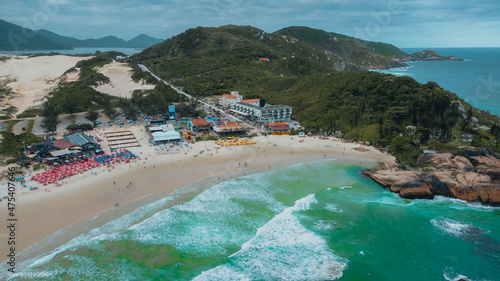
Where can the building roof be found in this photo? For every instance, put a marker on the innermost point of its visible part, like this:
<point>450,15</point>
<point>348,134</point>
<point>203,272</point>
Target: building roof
<point>80,139</point>
<point>41,148</point>
<point>276,124</point>
<point>280,128</point>
<point>226,96</point>
<point>61,152</point>
<point>61,144</point>
<point>199,122</point>
<point>264,59</point>
<point>251,101</point>
<point>166,136</point>
<point>266,107</point>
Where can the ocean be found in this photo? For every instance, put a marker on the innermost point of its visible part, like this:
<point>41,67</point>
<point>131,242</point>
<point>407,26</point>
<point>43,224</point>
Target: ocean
<point>322,220</point>
<point>77,51</point>
<point>476,79</point>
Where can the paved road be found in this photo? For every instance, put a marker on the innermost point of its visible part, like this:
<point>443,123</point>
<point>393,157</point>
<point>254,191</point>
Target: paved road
<point>18,127</point>
<point>37,128</point>
<point>204,104</point>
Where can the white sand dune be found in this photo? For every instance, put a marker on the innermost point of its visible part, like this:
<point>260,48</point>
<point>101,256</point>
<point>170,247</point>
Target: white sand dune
<point>34,77</point>
<point>121,84</point>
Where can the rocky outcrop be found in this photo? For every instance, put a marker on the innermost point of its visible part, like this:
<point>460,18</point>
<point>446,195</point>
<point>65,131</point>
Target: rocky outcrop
<point>451,176</point>
<point>431,55</point>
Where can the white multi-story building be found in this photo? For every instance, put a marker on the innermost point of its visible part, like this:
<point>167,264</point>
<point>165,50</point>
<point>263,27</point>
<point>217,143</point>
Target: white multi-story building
<point>228,101</point>
<point>266,113</point>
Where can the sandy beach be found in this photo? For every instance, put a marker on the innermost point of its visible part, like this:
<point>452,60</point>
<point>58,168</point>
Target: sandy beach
<point>42,213</point>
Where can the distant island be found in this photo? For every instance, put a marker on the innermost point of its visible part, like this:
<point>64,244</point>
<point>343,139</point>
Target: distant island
<point>432,55</point>
<point>13,38</point>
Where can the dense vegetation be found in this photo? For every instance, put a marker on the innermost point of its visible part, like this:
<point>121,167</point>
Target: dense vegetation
<point>154,101</point>
<point>388,111</point>
<point>12,145</point>
<point>208,61</point>
<point>80,95</point>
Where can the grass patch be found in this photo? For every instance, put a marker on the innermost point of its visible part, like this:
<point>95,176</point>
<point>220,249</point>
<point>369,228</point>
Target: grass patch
<point>10,125</point>
<point>31,124</point>
<point>8,112</point>
<point>30,112</point>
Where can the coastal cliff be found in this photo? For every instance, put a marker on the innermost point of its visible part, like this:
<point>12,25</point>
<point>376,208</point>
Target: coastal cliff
<point>445,175</point>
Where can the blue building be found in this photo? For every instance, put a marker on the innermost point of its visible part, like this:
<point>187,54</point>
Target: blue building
<point>171,112</point>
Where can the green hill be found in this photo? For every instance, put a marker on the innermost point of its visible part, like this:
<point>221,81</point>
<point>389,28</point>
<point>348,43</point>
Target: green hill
<point>207,61</point>
<point>307,70</point>
<point>288,49</point>
<point>14,37</point>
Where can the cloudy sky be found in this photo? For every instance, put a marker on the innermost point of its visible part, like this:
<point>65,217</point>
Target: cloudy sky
<point>404,23</point>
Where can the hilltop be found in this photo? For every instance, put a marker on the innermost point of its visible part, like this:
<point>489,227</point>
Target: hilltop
<point>140,41</point>
<point>14,37</point>
<point>431,55</point>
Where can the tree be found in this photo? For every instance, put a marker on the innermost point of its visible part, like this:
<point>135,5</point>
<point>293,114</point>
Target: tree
<point>49,122</point>
<point>399,144</point>
<point>92,115</point>
<point>69,105</point>
<point>468,120</point>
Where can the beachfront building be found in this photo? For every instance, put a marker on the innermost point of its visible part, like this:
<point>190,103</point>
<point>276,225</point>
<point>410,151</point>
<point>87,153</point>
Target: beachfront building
<point>198,125</point>
<point>86,143</point>
<point>41,149</point>
<point>264,113</point>
<point>278,128</point>
<point>228,101</point>
<point>61,144</point>
<point>227,127</point>
<point>163,134</point>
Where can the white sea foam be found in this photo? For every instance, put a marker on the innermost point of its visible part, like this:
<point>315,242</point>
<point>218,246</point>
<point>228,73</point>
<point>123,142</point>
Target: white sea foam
<point>324,225</point>
<point>110,231</point>
<point>304,203</point>
<point>345,187</point>
<point>332,208</point>
<point>452,227</point>
<point>283,249</point>
<point>210,222</point>
<point>459,204</point>
<point>389,198</point>
<point>450,275</point>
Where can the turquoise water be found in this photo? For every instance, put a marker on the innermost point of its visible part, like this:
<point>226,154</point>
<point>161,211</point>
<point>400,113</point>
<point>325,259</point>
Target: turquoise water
<point>476,79</point>
<point>334,223</point>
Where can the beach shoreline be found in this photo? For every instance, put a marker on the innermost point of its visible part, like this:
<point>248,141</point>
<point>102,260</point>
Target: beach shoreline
<point>41,214</point>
